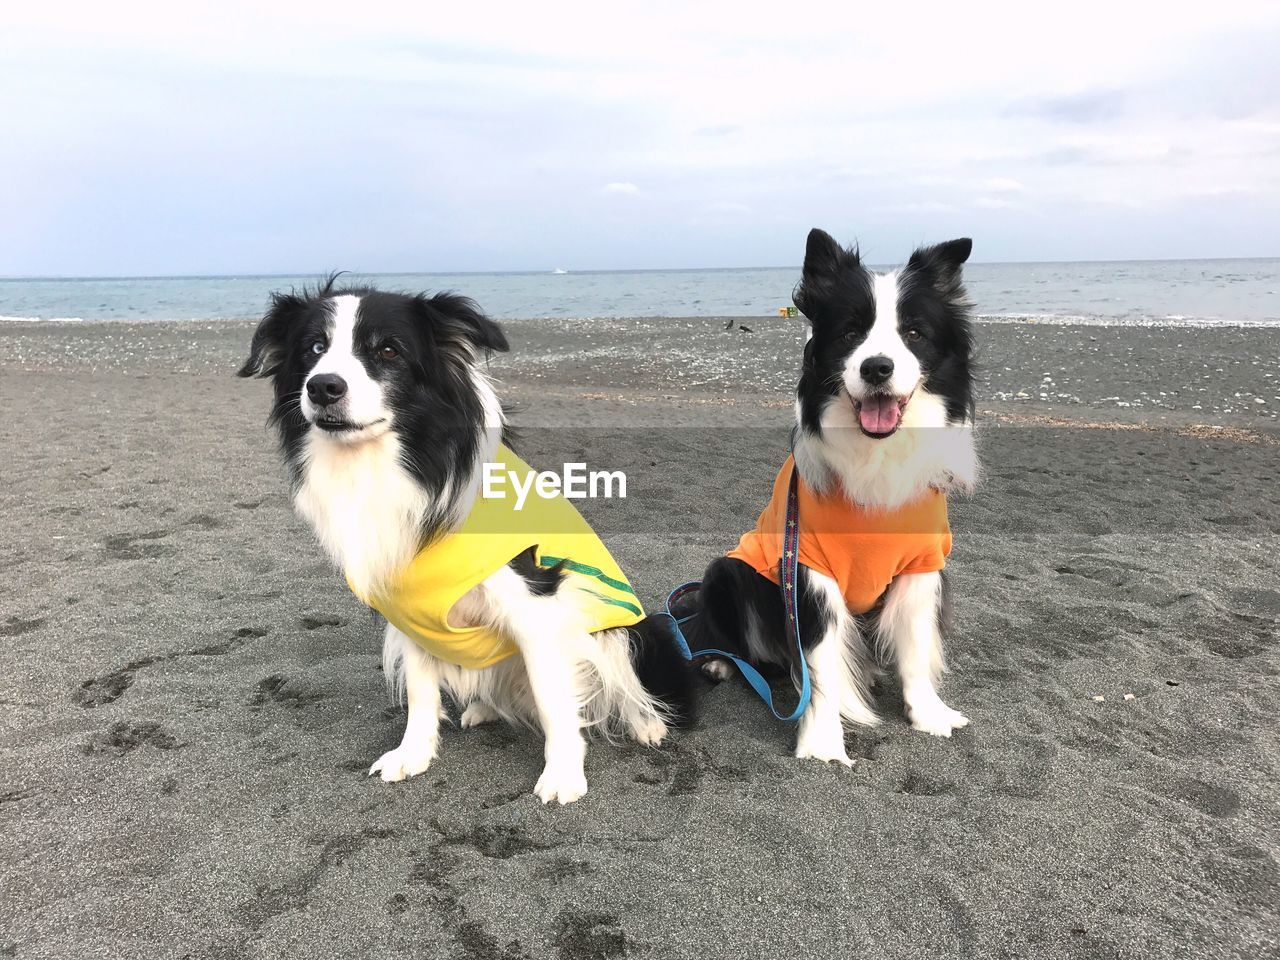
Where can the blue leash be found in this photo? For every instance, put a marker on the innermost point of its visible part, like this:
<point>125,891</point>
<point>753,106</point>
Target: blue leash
<point>788,577</point>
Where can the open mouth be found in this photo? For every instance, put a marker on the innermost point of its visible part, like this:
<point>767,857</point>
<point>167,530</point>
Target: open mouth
<point>334,425</point>
<point>880,414</point>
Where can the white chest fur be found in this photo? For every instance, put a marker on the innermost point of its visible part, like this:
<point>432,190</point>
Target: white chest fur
<point>364,506</point>
<point>925,452</point>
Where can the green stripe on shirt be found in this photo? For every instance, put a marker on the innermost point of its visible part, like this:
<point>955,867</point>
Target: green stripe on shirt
<point>583,569</point>
<point>617,603</point>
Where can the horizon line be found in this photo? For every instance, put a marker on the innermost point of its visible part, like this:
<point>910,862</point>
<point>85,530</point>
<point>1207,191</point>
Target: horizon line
<point>567,272</point>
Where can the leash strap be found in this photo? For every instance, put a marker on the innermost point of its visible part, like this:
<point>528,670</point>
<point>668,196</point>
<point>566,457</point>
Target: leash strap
<point>788,583</point>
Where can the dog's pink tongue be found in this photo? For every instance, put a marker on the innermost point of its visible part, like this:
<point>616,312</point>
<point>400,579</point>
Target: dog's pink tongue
<point>879,414</point>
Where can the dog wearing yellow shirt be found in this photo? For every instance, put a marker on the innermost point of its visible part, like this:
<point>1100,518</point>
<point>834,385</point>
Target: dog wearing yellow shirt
<point>514,610</point>
<point>884,411</point>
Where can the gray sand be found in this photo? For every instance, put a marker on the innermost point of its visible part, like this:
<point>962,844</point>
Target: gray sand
<point>190,696</point>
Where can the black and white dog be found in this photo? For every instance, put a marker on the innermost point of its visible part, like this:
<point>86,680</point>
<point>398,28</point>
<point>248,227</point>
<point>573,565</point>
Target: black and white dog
<point>884,413</point>
<point>386,416</point>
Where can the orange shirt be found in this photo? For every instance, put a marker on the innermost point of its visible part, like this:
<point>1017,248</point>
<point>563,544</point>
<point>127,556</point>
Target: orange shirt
<point>861,548</point>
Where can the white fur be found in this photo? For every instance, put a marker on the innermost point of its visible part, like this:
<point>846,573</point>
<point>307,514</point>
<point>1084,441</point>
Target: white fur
<point>363,403</point>
<point>835,677</point>
<point>368,514</point>
<point>908,627</point>
<point>907,631</point>
<point>366,510</point>
<point>927,450</point>
<point>717,669</point>
<point>422,732</point>
<point>884,339</point>
<point>478,714</point>
<point>564,681</point>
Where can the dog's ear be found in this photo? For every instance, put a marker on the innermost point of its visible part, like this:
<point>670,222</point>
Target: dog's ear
<point>824,259</point>
<point>941,263</point>
<point>266,353</point>
<point>459,320</point>
<point>821,253</point>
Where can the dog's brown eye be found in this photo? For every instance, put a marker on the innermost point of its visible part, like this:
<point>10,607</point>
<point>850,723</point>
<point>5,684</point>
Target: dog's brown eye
<point>388,352</point>
<point>913,335</point>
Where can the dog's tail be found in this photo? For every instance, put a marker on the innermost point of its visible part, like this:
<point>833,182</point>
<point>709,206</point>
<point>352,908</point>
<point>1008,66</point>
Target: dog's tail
<point>666,675</point>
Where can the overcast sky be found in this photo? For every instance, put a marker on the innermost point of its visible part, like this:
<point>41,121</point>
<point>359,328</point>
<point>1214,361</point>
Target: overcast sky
<point>147,139</point>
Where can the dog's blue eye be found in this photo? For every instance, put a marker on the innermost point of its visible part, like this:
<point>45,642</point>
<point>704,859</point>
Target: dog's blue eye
<point>317,347</point>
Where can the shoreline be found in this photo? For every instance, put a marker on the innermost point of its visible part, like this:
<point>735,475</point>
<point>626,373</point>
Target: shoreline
<point>1025,319</point>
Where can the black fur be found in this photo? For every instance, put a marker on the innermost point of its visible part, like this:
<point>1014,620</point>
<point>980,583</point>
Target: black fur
<point>662,668</point>
<point>655,655</point>
<point>428,387</point>
<point>946,609</point>
<point>436,413</point>
<point>932,298</point>
<point>541,581</point>
<point>835,294</point>
<point>734,595</point>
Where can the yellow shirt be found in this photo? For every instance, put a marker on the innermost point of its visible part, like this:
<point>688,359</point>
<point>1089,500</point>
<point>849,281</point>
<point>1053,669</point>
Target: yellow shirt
<point>491,536</point>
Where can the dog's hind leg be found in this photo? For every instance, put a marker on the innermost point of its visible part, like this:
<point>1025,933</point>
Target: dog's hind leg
<point>909,626</point>
<point>716,669</point>
<point>731,606</point>
<point>478,713</point>
<point>420,675</point>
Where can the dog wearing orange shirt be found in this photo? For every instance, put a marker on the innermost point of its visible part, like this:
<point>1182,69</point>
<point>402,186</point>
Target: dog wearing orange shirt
<point>884,415</point>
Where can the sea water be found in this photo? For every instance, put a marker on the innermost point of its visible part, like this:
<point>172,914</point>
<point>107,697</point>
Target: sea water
<point>1193,292</point>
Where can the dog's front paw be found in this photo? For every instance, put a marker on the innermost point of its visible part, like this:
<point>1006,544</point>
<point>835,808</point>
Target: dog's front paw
<point>478,713</point>
<point>937,719</point>
<point>402,762</point>
<point>562,784</point>
<point>825,747</point>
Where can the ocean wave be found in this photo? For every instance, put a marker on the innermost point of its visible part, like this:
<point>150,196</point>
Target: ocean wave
<point>42,319</point>
<point>1085,320</point>
<point>124,320</point>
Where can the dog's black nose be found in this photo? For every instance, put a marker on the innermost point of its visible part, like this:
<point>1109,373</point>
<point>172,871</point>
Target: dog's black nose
<point>326,388</point>
<point>877,370</point>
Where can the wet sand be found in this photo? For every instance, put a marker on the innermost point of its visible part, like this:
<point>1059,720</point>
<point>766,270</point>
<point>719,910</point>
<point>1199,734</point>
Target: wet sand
<point>190,697</point>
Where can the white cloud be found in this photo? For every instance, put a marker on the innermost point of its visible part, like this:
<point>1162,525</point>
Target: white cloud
<point>918,207</point>
<point>197,140</point>
<point>1002,185</point>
